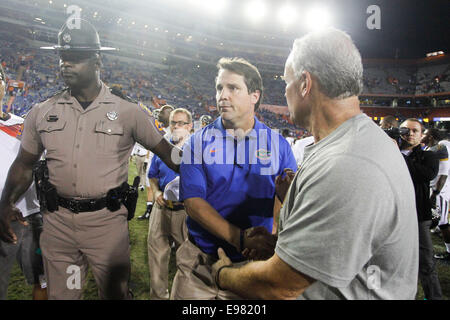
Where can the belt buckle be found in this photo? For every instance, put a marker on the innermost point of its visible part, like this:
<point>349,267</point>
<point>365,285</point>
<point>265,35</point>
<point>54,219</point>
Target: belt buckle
<point>169,204</point>
<point>74,206</point>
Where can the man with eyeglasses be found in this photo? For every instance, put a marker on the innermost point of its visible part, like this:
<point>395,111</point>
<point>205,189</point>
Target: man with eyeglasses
<point>168,219</point>
<point>162,123</point>
<point>88,132</point>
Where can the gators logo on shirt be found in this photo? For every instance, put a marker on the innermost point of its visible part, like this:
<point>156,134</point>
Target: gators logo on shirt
<point>263,154</point>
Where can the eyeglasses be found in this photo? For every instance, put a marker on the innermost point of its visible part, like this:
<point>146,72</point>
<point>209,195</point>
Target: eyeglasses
<point>180,123</point>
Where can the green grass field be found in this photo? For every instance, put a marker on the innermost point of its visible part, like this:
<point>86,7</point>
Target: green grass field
<point>140,283</point>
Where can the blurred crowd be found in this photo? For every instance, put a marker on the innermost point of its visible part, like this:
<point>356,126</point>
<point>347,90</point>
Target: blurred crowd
<point>185,83</point>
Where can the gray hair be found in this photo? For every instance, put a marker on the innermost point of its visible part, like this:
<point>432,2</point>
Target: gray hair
<point>331,56</point>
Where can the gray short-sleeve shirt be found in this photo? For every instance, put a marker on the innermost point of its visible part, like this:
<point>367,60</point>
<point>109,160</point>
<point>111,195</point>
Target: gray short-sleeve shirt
<point>349,218</point>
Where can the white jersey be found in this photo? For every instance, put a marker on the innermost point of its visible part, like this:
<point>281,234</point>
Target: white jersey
<point>290,140</point>
<point>9,147</point>
<point>444,169</point>
<point>298,148</point>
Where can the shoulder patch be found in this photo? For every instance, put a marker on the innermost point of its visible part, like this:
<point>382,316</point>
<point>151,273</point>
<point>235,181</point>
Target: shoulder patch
<point>159,126</point>
<point>145,108</point>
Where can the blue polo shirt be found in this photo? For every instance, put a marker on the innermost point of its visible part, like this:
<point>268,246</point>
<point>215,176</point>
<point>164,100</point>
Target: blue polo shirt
<point>160,171</point>
<point>237,178</point>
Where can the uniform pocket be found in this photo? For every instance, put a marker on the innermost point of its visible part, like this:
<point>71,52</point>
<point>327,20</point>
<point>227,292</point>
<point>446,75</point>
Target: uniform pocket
<point>108,136</point>
<point>52,134</point>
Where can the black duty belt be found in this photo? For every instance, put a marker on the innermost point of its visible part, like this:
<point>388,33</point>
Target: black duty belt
<point>174,205</point>
<point>84,205</point>
<point>176,208</point>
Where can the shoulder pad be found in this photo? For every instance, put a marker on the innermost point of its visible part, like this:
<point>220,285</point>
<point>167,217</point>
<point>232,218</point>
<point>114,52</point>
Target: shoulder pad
<point>117,92</point>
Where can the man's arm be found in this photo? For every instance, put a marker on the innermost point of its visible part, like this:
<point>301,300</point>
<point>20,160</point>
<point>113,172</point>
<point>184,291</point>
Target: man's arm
<point>202,212</point>
<point>272,279</point>
<point>277,205</point>
<point>169,154</point>
<point>441,182</point>
<point>146,134</point>
<point>20,177</point>
<point>439,185</point>
<point>157,194</point>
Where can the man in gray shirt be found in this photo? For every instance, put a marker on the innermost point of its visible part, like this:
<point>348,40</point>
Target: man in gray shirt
<point>348,228</point>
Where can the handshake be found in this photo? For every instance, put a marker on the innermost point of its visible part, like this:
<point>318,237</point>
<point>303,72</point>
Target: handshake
<point>257,243</point>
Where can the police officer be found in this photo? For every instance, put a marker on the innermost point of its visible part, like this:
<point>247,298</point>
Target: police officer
<point>88,133</point>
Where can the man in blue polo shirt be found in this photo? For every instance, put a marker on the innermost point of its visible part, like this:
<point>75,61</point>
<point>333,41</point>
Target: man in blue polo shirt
<point>168,219</point>
<point>227,182</point>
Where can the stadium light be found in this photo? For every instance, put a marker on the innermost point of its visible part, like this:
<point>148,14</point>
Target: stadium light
<point>256,10</point>
<point>287,14</point>
<point>318,18</point>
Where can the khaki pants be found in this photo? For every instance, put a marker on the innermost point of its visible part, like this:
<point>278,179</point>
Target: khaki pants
<point>164,225</point>
<point>193,280</point>
<point>69,242</point>
<point>141,169</point>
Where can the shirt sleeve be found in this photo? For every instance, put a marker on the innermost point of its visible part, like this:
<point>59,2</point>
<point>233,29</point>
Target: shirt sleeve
<point>145,131</point>
<point>31,140</point>
<point>192,174</point>
<point>444,163</point>
<point>328,234</point>
<point>154,170</point>
<point>444,166</point>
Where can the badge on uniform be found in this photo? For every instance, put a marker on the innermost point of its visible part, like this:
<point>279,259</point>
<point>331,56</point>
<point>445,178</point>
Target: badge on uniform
<point>67,38</point>
<point>112,115</point>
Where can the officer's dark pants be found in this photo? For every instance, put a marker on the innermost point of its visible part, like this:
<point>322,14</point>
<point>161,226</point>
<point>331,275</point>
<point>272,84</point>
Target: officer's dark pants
<point>70,242</point>
<point>427,265</point>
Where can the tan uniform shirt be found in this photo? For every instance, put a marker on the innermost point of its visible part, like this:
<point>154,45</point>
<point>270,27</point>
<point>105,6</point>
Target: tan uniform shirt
<point>88,150</point>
